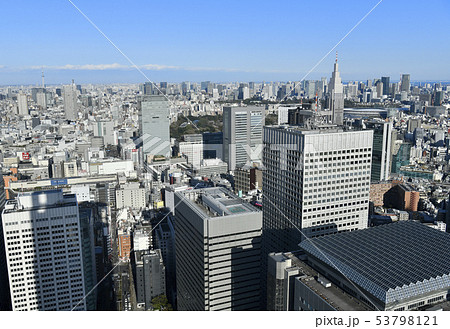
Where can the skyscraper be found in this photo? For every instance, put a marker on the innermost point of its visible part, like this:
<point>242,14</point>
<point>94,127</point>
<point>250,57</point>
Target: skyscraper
<point>242,135</point>
<point>155,125</point>
<point>70,102</point>
<point>406,85</point>
<point>381,151</point>
<point>386,85</point>
<point>41,100</point>
<point>22,100</point>
<point>218,243</point>
<point>336,96</point>
<point>44,255</point>
<point>314,180</point>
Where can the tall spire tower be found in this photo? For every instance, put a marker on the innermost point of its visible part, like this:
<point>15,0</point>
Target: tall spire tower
<point>43,84</point>
<point>336,95</point>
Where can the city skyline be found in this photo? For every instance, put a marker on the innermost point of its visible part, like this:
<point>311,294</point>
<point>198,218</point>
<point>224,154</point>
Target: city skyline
<point>208,156</point>
<point>222,49</point>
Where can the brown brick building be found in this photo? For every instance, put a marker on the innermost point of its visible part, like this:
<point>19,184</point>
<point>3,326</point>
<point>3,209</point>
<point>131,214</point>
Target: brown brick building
<point>402,197</point>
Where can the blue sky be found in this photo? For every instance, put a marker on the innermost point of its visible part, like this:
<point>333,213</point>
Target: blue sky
<point>222,40</point>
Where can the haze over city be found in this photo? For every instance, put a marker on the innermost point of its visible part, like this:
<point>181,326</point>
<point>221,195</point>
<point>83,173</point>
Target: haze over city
<point>221,41</point>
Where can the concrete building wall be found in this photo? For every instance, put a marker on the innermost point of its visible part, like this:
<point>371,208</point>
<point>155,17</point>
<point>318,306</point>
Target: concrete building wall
<point>242,132</point>
<point>44,252</point>
<point>218,258</point>
<point>155,125</point>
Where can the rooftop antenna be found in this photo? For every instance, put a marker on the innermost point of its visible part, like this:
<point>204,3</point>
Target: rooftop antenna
<point>336,56</point>
<point>43,84</point>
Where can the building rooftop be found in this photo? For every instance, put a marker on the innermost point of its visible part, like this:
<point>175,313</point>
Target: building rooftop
<point>40,200</point>
<point>217,202</point>
<point>333,295</point>
<point>392,262</point>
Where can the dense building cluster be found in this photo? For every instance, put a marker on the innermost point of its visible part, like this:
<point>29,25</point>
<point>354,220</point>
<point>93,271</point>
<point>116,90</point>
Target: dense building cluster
<point>300,195</point>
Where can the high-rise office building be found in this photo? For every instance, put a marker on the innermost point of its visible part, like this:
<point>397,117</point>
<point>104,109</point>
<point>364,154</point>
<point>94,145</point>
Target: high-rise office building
<point>218,243</point>
<point>155,125</point>
<point>242,135</point>
<point>22,100</point>
<point>41,100</point>
<point>336,96</point>
<point>386,85</point>
<point>406,83</point>
<point>88,244</point>
<point>381,150</point>
<point>44,251</point>
<point>165,241</point>
<point>316,181</point>
<point>70,102</point>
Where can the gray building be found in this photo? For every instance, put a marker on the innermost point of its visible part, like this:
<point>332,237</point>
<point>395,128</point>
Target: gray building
<point>281,273</point>
<point>165,241</point>
<point>406,83</point>
<point>22,102</point>
<point>150,276</point>
<point>218,243</point>
<point>155,125</point>
<point>298,287</point>
<point>336,96</point>
<point>87,243</point>
<point>70,102</point>
<point>106,130</point>
<point>381,150</point>
<point>386,85</point>
<point>242,135</point>
<point>400,266</point>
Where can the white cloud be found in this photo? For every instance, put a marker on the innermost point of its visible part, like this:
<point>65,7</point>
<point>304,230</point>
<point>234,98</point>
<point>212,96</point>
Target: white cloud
<point>85,67</point>
<point>117,66</point>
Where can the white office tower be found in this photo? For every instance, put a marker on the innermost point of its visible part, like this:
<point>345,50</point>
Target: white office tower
<point>242,135</point>
<point>22,100</point>
<point>155,125</point>
<point>43,252</point>
<point>218,249</point>
<point>70,101</point>
<point>336,96</point>
<point>41,100</point>
<point>315,180</point>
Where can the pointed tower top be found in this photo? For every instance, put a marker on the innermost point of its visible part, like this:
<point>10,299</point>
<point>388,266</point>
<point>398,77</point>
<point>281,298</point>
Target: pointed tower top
<point>336,56</point>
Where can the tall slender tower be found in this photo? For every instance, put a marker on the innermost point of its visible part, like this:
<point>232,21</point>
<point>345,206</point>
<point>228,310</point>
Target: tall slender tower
<point>43,84</point>
<point>336,96</point>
